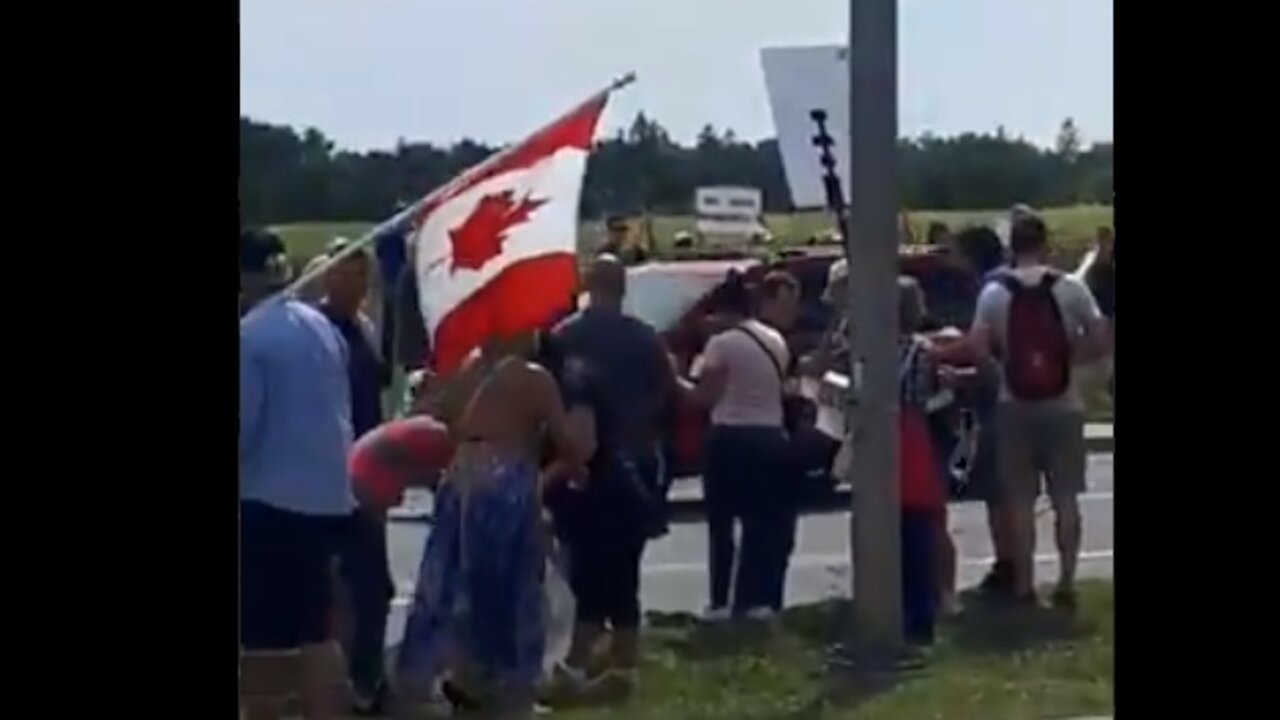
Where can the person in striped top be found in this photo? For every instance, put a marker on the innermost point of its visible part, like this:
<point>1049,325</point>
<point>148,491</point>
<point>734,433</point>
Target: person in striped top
<point>925,543</point>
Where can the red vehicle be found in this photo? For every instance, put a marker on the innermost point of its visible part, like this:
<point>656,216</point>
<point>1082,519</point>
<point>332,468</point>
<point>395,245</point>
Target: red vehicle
<point>674,298</point>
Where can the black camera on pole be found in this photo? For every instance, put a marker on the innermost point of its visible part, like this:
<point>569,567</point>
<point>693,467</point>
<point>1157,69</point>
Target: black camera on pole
<point>830,180</point>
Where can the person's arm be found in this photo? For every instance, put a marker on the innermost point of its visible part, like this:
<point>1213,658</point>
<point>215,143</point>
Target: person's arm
<point>713,376</point>
<point>384,374</point>
<point>791,374</point>
<point>580,423</point>
<point>814,365</point>
<point>571,453</point>
<point>1094,342</point>
<point>447,397</point>
<point>976,346</point>
<point>252,397</point>
<point>666,380</point>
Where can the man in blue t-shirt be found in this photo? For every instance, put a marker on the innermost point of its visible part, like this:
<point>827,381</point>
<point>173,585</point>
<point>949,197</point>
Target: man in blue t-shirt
<point>295,498</point>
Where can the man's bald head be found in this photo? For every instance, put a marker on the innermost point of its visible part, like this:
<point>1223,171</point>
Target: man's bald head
<point>607,281</point>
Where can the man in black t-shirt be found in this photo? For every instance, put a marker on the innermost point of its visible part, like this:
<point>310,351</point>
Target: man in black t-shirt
<point>617,366</point>
<point>363,560</point>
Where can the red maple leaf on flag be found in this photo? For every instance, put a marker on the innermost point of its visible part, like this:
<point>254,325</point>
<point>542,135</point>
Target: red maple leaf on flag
<point>478,239</point>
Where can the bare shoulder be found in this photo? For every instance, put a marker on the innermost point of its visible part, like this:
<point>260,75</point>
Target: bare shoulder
<point>533,376</point>
<point>536,385</point>
<point>770,331</point>
<point>990,298</point>
<point>720,339</point>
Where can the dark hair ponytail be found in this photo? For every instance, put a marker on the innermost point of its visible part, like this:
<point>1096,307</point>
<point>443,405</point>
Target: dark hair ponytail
<point>732,296</point>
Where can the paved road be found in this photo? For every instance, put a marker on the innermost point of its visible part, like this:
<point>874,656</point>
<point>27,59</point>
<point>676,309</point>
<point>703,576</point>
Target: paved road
<point>675,575</point>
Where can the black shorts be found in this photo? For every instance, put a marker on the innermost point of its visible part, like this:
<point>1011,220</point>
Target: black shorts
<point>604,574</point>
<point>984,476</point>
<point>286,576</point>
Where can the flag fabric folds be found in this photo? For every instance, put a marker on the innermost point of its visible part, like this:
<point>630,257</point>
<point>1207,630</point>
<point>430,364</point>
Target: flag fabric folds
<point>494,251</point>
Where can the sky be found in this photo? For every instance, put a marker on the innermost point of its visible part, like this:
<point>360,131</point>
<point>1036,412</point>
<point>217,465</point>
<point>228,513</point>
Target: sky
<point>369,72</point>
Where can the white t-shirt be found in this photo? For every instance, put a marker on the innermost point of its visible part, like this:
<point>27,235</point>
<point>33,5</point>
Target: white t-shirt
<point>1079,309</point>
<point>753,391</point>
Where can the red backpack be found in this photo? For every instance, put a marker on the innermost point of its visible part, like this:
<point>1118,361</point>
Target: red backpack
<point>1037,353</point>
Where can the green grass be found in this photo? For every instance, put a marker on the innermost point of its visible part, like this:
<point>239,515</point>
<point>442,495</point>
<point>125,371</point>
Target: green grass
<point>304,241</point>
<point>987,664</point>
<point>1072,227</point>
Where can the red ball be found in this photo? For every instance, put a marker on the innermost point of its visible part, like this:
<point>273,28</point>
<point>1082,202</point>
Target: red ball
<point>408,452</point>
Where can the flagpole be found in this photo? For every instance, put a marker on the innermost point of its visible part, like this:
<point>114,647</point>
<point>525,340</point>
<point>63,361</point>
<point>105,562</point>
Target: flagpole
<point>622,82</point>
<point>401,217</point>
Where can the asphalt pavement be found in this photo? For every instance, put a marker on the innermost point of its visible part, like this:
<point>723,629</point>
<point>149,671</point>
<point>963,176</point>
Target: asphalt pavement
<point>674,571</point>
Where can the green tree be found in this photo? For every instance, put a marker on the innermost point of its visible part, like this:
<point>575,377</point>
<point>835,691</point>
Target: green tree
<point>288,175</point>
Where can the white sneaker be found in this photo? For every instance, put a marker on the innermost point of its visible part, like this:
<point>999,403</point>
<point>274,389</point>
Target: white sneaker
<point>762,614</point>
<point>716,614</point>
<point>950,607</point>
<point>571,678</point>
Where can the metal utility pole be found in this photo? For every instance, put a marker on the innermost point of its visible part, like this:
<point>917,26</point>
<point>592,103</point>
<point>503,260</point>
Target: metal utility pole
<point>872,246</point>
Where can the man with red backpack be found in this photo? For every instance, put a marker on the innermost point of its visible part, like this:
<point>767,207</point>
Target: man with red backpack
<point>1040,324</point>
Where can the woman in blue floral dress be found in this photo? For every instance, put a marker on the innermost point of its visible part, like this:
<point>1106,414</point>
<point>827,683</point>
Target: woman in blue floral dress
<point>476,626</point>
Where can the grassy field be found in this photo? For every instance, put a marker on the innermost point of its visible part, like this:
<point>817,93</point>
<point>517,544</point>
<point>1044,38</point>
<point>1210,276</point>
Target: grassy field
<point>987,664</point>
<point>1073,228</point>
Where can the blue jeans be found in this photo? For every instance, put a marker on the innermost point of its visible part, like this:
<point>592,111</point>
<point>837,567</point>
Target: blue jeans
<point>751,479</point>
<point>919,574</point>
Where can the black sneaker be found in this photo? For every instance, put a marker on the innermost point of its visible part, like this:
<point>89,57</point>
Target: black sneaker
<point>459,698</point>
<point>998,580</point>
<point>920,638</point>
<point>373,705</point>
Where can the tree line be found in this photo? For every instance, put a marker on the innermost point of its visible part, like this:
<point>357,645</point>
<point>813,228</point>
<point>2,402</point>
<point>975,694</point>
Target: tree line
<point>290,176</point>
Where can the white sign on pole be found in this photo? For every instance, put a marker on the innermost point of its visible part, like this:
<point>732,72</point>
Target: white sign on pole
<point>737,202</point>
<point>729,210</point>
<point>800,80</point>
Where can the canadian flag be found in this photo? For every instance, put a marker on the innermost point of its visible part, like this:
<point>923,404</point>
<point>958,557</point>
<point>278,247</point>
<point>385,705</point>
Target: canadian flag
<point>496,247</point>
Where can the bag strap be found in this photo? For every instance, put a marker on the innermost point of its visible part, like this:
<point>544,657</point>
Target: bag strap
<point>908,366</point>
<point>773,359</point>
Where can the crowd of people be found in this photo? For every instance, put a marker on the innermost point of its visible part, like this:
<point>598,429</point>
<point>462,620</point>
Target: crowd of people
<point>554,438</point>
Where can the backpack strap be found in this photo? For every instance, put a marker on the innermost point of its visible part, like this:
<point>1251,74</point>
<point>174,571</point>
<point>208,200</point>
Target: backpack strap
<point>1010,282</point>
